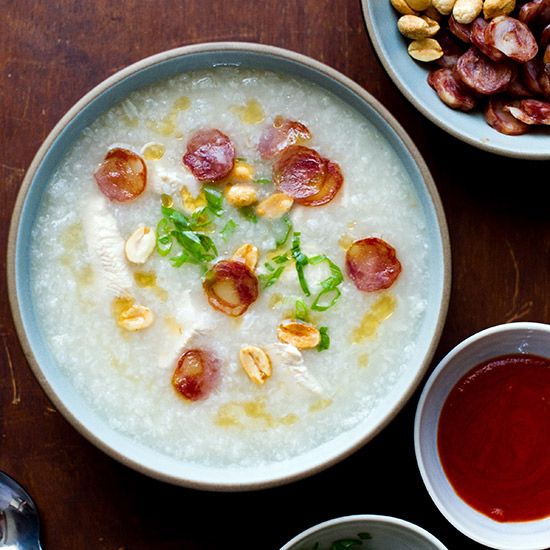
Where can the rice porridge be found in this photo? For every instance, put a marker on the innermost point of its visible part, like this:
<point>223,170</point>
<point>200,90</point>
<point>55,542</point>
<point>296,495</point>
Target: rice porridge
<point>231,266</point>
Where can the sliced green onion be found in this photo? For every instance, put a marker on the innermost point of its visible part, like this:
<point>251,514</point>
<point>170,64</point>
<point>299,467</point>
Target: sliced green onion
<point>270,279</point>
<point>302,312</point>
<point>228,229</point>
<point>214,199</point>
<point>164,238</point>
<point>263,181</point>
<point>249,213</point>
<point>325,339</point>
<point>301,261</point>
<point>326,299</point>
<point>284,232</point>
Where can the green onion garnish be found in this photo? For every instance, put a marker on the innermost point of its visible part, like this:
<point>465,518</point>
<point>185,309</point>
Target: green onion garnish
<point>228,229</point>
<point>301,261</point>
<point>302,312</point>
<point>325,339</point>
<point>249,213</point>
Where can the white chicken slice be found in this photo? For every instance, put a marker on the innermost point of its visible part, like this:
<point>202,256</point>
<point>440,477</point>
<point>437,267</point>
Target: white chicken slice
<point>164,180</point>
<point>106,246</point>
<point>287,359</point>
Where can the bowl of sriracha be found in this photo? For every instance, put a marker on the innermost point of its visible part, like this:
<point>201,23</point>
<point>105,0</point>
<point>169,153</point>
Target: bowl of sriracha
<point>479,69</point>
<point>481,436</point>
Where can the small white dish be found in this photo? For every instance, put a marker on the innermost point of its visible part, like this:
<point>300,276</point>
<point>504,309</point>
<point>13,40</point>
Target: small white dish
<point>385,533</point>
<point>513,338</point>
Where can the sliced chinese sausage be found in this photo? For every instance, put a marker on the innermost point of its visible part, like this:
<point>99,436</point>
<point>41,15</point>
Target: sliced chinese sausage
<point>231,287</point>
<point>545,36</point>
<point>452,49</point>
<point>482,74</point>
<point>501,120</point>
<point>531,111</point>
<point>460,30</point>
<point>281,134</point>
<point>512,37</point>
<point>535,13</point>
<point>122,175</point>
<point>372,264</point>
<point>196,374</point>
<point>530,75</point>
<point>479,40</point>
<point>450,90</point>
<point>210,155</point>
<point>301,173</point>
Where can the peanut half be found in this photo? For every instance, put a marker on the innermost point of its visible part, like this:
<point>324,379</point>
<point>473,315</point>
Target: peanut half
<point>256,363</point>
<point>136,317</point>
<point>465,11</point>
<point>140,245</point>
<point>419,5</point>
<point>425,50</point>
<point>494,8</point>
<point>402,7</point>
<point>417,28</point>
<point>275,206</point>
<point>240,194</point>
<point>444,7</point>
<point>247,254</point>
<point>298,333</point>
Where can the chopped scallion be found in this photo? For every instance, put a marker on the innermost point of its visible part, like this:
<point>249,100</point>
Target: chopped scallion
<point>325,339</point>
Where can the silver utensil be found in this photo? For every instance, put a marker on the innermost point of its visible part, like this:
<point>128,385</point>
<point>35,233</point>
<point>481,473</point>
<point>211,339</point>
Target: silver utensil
<point>19,521</point>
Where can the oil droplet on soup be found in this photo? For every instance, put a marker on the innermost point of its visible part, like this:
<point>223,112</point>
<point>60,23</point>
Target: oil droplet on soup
<point>241,413</point>
<point>250,113</point>
<point>191,203</point>
<point>363,360</point>
<point>148,279</point>
<point>167,126</point>
<point>381,310</point>
<point>154,151</point>
<point>320,405</point>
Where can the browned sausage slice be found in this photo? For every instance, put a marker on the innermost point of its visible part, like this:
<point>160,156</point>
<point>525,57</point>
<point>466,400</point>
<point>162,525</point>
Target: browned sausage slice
<point>210,155</point>
<point>372,264</point>
<point>501,120</point>
<point>450,90</point>
<point>512,37</point>
<point>281,134</point>
<point>482,74</point>
<point>460,30</point>
<point>531,111</point>
<point>452,49</point>
<point>122,175</point>
<point>478,39</point>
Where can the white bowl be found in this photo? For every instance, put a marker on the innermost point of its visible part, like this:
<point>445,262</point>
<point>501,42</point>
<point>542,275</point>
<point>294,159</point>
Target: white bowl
<point>53,379</point>
<point>533,338</point>
<point>411,78</point>
<point>387,533</point>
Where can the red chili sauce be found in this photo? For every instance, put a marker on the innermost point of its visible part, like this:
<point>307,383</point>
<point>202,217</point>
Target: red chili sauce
<point>494,438</point>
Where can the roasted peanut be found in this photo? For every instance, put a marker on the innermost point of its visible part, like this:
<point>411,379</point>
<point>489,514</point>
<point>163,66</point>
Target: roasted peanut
<point>465,11</point>
<point>242,172</point>
<point>247,254</point>
<point>298,333</point>
<point>136,317</point>
<point>425,50</point>
<point>240,195</point>
<point>432,13</point>
<point>419,5</point>
<point>140,245</point>
<point>274,206</point>
<point>494,8</point>
<point>417,28</point>
<point>444,7</point>
<point>256,363</point>
<point>402,7</point>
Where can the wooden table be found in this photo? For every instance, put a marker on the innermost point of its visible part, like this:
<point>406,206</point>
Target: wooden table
<point>51,53</point>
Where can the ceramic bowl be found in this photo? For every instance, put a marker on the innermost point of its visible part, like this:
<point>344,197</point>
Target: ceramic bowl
<point>369,532</point>
<point>58,386</point>
<point>411,78</point>
<point>533,338</point>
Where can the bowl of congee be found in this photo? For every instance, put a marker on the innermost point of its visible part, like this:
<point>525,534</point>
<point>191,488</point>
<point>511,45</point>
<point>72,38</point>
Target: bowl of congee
<point>228,266</point>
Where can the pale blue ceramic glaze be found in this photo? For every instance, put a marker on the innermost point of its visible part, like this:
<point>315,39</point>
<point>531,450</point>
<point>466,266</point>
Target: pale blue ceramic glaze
<point>410,77</point>
<point>57,385</point>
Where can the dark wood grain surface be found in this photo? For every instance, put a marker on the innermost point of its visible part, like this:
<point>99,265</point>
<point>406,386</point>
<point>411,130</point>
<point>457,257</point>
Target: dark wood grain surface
<point>51,53</point>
